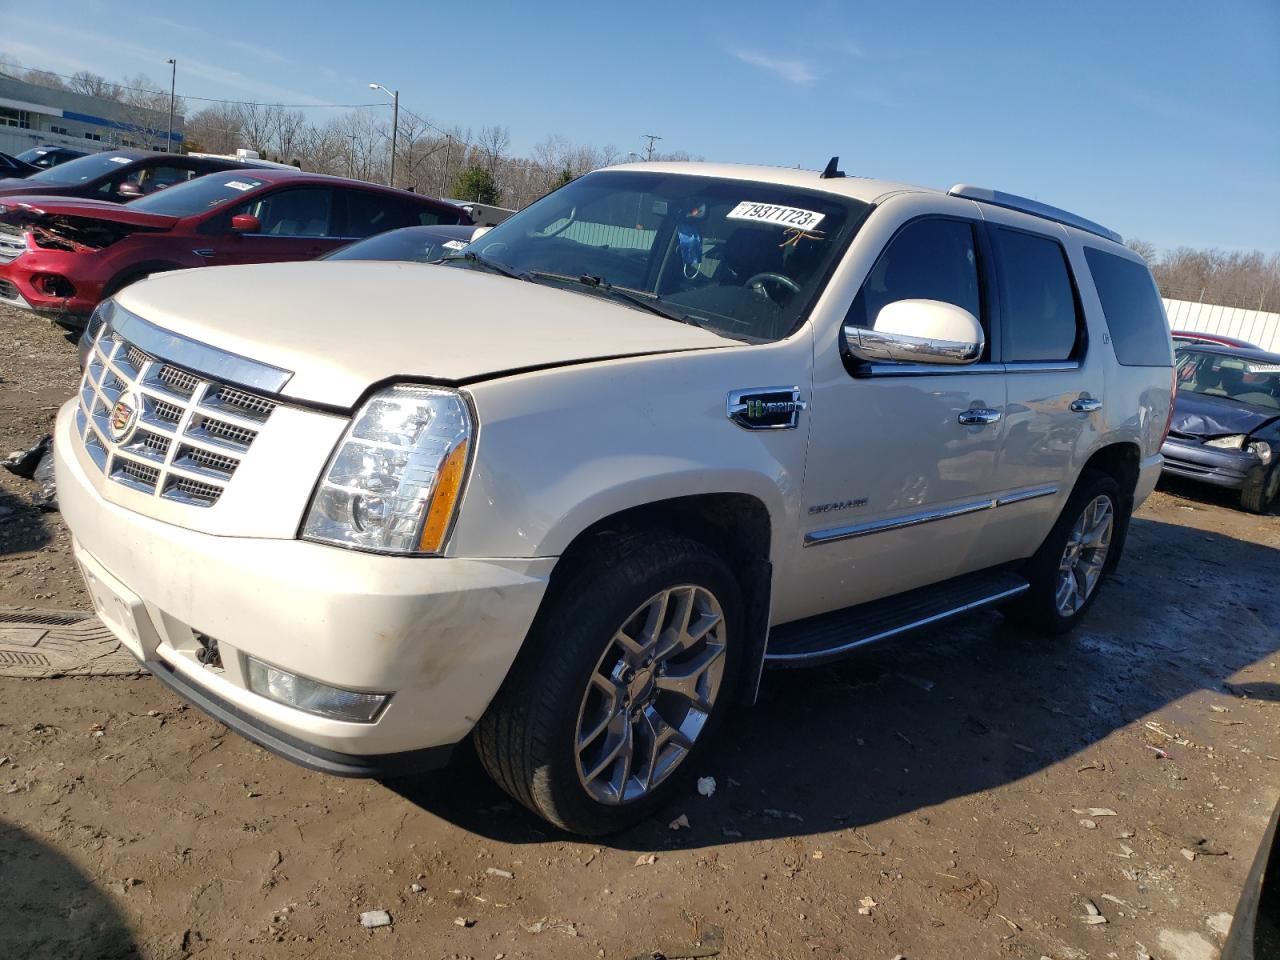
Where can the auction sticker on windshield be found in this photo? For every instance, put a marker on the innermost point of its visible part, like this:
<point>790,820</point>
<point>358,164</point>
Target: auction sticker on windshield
<point>241,185</point>
<point>772,213</point>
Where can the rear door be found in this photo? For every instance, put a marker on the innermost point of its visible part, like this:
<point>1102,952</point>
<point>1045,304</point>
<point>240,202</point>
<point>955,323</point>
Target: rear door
<point>297,223</point>
<point>1056,379</point>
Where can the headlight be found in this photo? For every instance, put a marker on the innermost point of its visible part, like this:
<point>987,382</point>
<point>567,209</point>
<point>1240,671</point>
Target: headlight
<point>1261,449</point>
<point>392,485</point>
<point>1233,442</point>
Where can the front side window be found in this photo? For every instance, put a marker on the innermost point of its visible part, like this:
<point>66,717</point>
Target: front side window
<point>743,258</point>
<point>303,212</point>
<point>1038,302</point>
<point>931,259</point>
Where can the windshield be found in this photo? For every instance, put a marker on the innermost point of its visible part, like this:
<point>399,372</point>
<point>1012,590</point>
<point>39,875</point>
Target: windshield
<point>81,169</point>
<point>197,196</point>
<point>743,258</point>
<point>1254,382</point>
<point>417,244</point>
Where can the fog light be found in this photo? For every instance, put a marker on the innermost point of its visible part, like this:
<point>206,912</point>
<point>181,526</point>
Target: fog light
<point>312,696</point>
<point>1261,449</point>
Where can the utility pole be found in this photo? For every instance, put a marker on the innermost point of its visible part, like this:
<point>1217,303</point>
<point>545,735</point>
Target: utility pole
<point>395,126</point>
<point>173,85</point>
<point>351,158</point>
<point>448,152</point>
<point>648,153</point>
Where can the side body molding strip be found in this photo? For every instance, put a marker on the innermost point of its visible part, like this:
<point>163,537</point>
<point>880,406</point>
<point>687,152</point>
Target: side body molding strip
<point>836,534</point>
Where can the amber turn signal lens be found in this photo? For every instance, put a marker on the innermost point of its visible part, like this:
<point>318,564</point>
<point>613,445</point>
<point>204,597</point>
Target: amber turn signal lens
<point>444,499</point>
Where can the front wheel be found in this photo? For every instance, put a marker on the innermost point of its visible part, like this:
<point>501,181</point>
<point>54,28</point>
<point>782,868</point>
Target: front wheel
<point>1258,497</point>
<point>622,682</point>
<point>1074,559</point>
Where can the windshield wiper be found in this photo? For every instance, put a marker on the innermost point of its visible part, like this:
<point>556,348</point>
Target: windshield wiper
<point>491,265</point>
<point>653,303</point>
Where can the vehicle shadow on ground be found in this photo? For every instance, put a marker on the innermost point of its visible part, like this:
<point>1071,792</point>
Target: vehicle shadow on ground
<point>53,911</point>
<point>22,526</point>
<point>967,707</point>
<point>1192,492</point>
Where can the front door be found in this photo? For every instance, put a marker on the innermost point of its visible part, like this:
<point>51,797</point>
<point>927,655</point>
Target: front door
<point>297,223</point>
<point>898,478</point>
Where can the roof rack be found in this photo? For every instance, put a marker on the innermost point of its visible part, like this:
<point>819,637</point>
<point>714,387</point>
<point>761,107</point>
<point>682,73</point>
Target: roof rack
<point>1014,202</point>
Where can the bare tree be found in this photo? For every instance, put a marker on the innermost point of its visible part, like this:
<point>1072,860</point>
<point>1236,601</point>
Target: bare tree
<point>95,85</point>
<point>44,78</point>
<point>492,142</point>
<point>1143,248</point>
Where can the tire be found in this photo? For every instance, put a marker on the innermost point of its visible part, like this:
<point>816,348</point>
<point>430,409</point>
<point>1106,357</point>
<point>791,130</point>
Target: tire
<point>1041,607</point>
<point>575,676</point>
<point>1258,497</point>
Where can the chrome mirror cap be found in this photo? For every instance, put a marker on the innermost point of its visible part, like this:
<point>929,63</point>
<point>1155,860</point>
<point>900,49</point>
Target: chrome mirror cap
<point>919,331</point>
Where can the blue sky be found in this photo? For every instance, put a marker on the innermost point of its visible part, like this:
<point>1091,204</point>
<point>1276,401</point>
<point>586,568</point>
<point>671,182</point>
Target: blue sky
<point>1161,120</point>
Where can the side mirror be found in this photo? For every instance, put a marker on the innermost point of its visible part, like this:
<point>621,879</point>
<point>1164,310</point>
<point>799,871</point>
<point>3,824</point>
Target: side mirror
<point>246,223</point>
<point>129,189</point>
<point>919,331</point>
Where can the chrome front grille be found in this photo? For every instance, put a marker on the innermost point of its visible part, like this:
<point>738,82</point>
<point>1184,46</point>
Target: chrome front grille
<point>160,428</point>
<point>12,243</point>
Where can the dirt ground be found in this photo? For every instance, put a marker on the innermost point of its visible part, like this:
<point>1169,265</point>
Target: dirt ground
<point>967,792</point>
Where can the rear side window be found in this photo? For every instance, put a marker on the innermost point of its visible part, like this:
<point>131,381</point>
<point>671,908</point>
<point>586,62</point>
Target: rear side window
<point>369,213</point>
<point>1131,304</point>
<point>1041,322</point>
<point>927,260</point>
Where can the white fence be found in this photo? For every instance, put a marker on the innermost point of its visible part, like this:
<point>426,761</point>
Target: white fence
<point>1256,326</point>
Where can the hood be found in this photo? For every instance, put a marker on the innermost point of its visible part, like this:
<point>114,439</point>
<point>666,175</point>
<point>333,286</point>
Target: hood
<point>340,326</point>
<point>27,209</point>
<point>10,186</point>
<point>1197,415</point>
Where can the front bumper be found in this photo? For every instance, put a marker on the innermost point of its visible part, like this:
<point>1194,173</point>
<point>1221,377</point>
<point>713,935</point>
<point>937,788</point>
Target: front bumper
<point>438,634</point>
<point>18,289</point>
<point>1222,468</point>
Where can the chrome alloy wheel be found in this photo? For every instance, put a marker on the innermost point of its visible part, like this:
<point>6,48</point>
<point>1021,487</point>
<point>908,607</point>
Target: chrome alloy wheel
<point>650,694</point>
<point>1084,556</point>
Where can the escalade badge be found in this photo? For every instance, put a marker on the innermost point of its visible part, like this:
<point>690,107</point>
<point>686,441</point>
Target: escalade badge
<point>765,408</point>
<point>123,416</point>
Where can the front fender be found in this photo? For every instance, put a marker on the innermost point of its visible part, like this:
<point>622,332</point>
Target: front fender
<point>558,450</point>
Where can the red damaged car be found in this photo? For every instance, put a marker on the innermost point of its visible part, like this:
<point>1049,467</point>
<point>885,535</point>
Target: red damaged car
<point>60,256</point>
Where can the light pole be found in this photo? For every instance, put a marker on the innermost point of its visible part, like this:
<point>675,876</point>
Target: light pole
<point>395,125</point>
<point>173,85</point>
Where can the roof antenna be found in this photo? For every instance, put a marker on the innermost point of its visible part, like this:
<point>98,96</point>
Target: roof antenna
<point>831,172</point>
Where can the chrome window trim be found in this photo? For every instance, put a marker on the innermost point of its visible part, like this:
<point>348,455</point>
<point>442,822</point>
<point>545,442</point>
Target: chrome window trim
<point>871,371</point>
<point>816,538</point>
<point>216,364</point>
<point>1042,366</point>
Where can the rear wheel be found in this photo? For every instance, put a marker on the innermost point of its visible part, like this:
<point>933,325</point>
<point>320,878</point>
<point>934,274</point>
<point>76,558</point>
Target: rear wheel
<point>624,679</point>
<point>1074,559</point>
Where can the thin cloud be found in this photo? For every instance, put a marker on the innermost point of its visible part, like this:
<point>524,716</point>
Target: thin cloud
<point>262,53</point>
<point>792,71</point>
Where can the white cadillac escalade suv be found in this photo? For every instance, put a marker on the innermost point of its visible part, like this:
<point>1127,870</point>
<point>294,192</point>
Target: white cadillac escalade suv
<point>569,491</point>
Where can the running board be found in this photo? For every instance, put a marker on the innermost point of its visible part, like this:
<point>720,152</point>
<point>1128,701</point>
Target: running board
<point>803,643</point>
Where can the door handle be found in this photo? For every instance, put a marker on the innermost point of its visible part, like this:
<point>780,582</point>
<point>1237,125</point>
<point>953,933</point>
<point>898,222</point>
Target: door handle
<point>978,417</point>
<point>1085,405</point>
